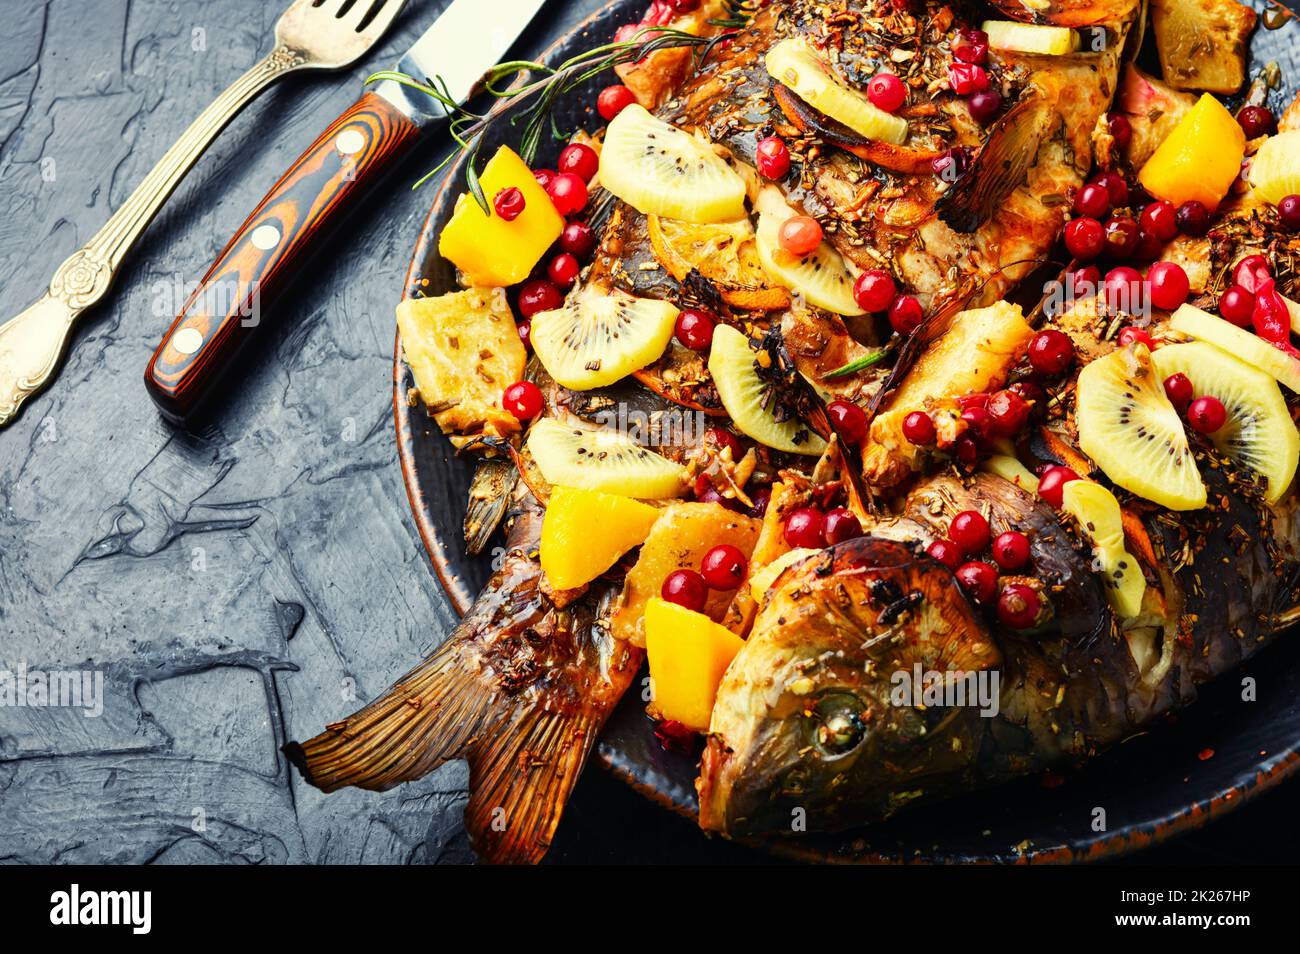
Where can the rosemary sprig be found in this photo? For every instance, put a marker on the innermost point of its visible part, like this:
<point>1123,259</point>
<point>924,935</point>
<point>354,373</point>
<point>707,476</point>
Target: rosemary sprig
<point>857,364</point>
<point>467,128</point>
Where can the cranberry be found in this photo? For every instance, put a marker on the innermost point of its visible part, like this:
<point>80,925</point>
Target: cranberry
<point>509,203</point>
<point>1288,212</point>
<point>886,91</point>
<point>1121,236</point>
<point>685,588</point>
<point>1256,121</point>
<point>978,420</point>
<point>967,450</point>
<point>580,159</point>
<point>613,100</point>
<point>578,239</point>
<point>971,46</point>
<point>1169,286</point>
<point>724,567</point>
<point>841,525</point>
<point>723,439</point>
<point>563,270</point>
<point>1008,413</point>
<point>979,580</point>
<point>1124,290</point>
<point>951,164</point>
<point>1251,272</point>
<point>918,428</point>
<point>967,78</point>
<point>1019,606</point>
<point>773,157</point>
<point>1083,282</point>
<point>761,498</point>
<point>1178,388</point>
<point>684,6</point>
<point>1149,247</point>
<point>1120,129</point>
<point>1051,352</point>
<point>525,329</point>
<point>800,234</point>
<point>1051,482</point>
<point>874,290</point>
<point>536,295</point>
<point>523,399</point>
<point>946,552</point>
<point>1237,306</point>
<point>1030,392</point>
<point>1114,184</point>
<point>544,177</point>
<point>1085,238</point>
<point>1207,414</point>
<point>1131,335</point>
<point>806,527</point>
<point>1160,219</point>
<point>695,329</point>
<point>970,531</point>
<point>849,420</point>
<point>905,314</point>
<point>984,105</point>
<point>1011,550</point>
<point>705,492</point>
<point>568,193</point>
<point>1092,201</point>
<point>1193,218</point>
<point>975,399</point>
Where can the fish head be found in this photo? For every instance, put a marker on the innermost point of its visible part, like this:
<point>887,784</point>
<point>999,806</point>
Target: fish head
<point>817,721</point>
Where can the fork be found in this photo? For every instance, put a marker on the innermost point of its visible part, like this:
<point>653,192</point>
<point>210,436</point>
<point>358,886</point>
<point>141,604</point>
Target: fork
<point>310,35</point>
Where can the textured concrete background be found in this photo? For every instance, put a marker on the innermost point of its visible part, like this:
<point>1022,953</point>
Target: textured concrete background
<point>249,580</point>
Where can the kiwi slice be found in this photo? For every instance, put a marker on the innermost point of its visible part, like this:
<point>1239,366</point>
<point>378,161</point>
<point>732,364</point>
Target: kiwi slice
<point>1275,168</point>
<point>743,393</point>
<point>1132,432</point>
<point>1030,37</point>
<point>600,335</point>
<point>820,276</point>
<point>1259,432</point>
<point>1099,517</point>
<point>794,64</point>
<point>588,458</point>
<point>660,170</point>
<point>1250,348</point>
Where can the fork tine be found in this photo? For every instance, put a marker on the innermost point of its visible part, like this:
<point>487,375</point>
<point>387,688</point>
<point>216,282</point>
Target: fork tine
<point>379,16</point>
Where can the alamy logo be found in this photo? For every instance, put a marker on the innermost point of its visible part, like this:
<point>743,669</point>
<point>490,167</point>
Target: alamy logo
<point>134,908</point>
<point>24,688</point>
<point>931,689</point>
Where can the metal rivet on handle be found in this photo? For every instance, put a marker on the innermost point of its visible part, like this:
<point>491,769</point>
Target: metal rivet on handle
<point>265,237</point>
<point>350,141</point>
<point>188,340</point>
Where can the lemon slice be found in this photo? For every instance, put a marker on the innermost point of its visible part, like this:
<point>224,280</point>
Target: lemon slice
<point>794,64</point>
<point>1252,349</point>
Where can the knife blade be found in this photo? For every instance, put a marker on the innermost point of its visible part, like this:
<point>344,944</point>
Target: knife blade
<point>221,315</point>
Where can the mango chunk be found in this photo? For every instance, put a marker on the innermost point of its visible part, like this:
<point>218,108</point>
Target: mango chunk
<point>489,250</point>
<point>688,654</point>
<point>463,350</point>
<point>585,531</point>
<point>1200,159</point>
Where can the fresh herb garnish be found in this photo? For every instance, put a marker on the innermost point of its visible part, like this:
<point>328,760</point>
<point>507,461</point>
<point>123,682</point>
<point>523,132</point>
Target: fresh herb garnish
<point>857,364</point>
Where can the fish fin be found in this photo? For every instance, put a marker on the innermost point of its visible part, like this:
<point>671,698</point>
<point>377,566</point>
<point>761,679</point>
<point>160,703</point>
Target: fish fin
<point>524,757</point>
<point>1000,166</point>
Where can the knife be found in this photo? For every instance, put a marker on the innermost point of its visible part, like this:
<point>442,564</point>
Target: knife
<point>350,156</point>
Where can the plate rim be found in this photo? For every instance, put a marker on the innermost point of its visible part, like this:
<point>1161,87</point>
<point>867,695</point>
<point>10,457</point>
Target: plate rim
<point>1263,776</point>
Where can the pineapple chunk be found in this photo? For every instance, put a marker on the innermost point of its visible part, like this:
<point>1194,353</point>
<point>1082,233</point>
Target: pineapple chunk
<point>1200,159</point>
<point>489,250</point>
<point>688,654</point>
<point>463,350</point>
<point>1275,170</point>
<point>1202,43</point>
<point>1030,37</point>
<point>570,553</point>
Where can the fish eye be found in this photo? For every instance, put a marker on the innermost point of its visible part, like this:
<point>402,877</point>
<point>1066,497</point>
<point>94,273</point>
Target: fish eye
<point>836,724</point>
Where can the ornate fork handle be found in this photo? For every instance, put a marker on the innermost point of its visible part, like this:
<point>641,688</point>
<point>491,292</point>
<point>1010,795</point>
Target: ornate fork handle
<point>32,342</point>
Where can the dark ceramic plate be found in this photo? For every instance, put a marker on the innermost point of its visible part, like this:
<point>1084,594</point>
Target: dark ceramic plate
<point>1196,766</point>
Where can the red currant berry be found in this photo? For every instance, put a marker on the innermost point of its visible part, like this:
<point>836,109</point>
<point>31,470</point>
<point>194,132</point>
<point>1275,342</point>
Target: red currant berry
<point>1193,218</point>
<point>806,527</point>
<point>578,239</point>
<point>695,329</point>
<point>1256,121</point>
<point>1207,414</point>
<point>850,420</point>
<point>905,314</point>
<point>525,329</point>
<point>886,91</point>
<point>613,100</point>
<point>1019,606</point>
<point>971,46</point>
<point>1179,390</point>
<point>537,294</point>
<point>1169,286</point>
<point>1121,236</point>
<point>724,567</point>
<point>1120,129</point>
<point>1085,238</point>
<point>984,105</point>
<point>1160,219</point>
<point>1124,290</point>
<point>979,580</point>
<point>800,234</point>
<point>523,399</point>
<point>509,203</point>
<point>970,531</point>
<point>568,193</point>
<point>918,428</point>
<point>1114,184</point>
<point>544,177</point>
<point>685,588</point>
<point>563,270</point>
<point>1051,352</point>
<point>773,157</point>
<point>1052,481</point>
<point>842,525</point>
<point>1092,201</point>
<point>978,420</point>
<point>967,451</point>
<point>1288,212</point>
<point>1083,282</point>
<point>580,159</point>
<point>874,290</point>
<point>723,439</point>
<point>1008,413</point>
<point>946,552</point>
<point>967,78</point>
<point>761,498</point>
<point>1011,550</point>
<point>1237,306</point>
<point>1131,335</point>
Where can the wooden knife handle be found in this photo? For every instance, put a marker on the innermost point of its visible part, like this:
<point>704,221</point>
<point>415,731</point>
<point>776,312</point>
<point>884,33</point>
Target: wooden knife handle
<point>268,250</point>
